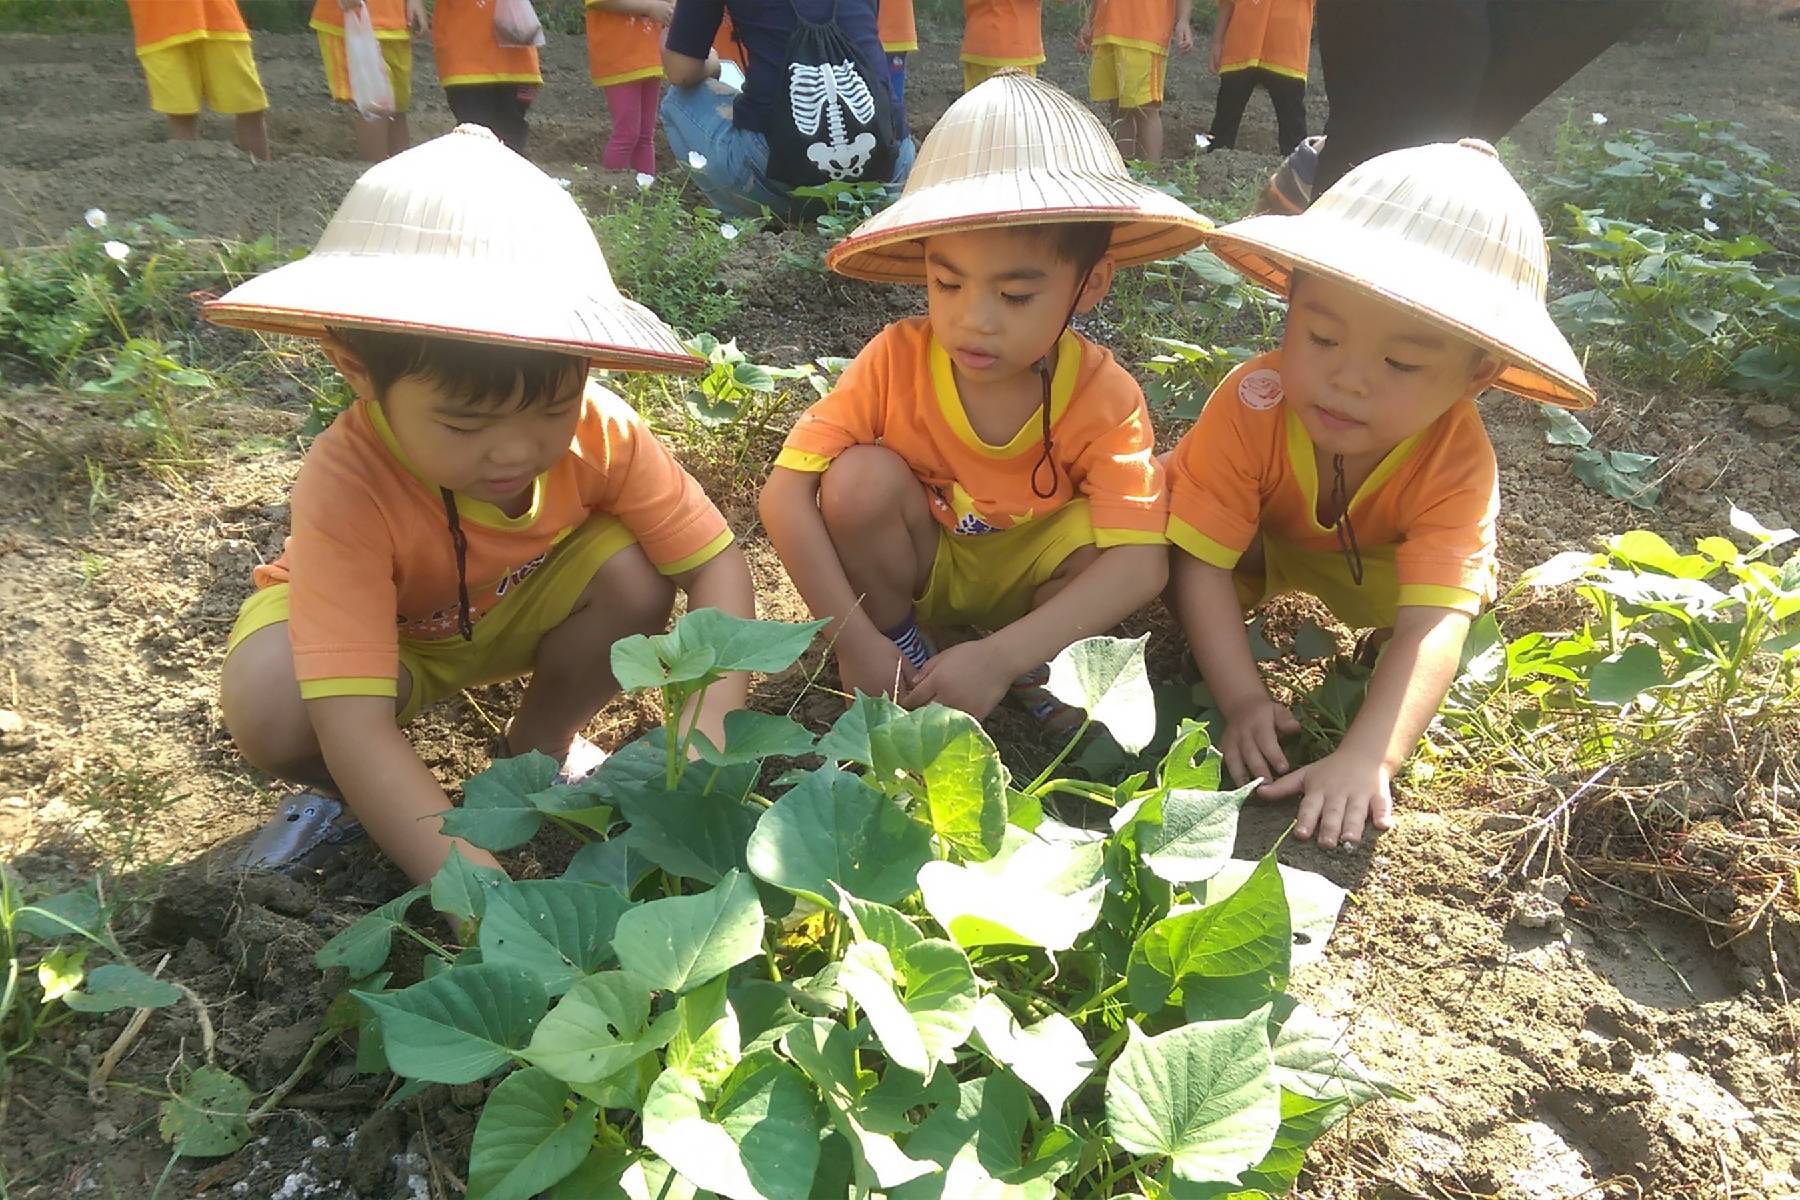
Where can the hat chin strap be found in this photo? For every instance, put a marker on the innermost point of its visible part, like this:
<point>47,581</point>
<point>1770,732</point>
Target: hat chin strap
<point>1042,367</point>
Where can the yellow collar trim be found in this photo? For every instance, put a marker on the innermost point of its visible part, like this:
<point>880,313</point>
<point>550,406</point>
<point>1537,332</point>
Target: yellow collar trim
<point>1304,461</point>
<point>468,508</point>
<point>1062,393</point>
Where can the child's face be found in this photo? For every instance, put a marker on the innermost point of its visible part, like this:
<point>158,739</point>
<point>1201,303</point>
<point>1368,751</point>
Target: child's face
<point>998,299</point>
<point>491,451</point>
<point>1363,376</point>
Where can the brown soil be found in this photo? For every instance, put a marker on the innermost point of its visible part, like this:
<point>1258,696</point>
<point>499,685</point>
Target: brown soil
<point>1612,1053</point>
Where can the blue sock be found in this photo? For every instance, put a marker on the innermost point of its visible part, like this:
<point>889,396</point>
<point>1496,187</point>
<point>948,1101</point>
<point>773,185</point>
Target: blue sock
<point>915,648</point>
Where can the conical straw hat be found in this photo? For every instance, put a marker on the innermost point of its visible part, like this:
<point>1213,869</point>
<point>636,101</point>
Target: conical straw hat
<point>1441,231</point>
<point>1015,151</point>
<point>460,238</point>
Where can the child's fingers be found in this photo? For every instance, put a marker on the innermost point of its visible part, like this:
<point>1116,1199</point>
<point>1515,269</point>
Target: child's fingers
<point>1308,818</point>
<point>1381,812</point>
<point>1286,721</point>
<point>1268,742</point>
<point>1356,810</point>
<point>1234,761</point>
<point>1291,784</point>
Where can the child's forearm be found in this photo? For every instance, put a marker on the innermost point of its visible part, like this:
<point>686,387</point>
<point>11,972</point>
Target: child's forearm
<point>1121,580</point>
<point>1415,671</point>
<point>722,582</point>
<point>390,790</point>
<point>791,517</point>
<point>1206,603</point>
<point>1184,12</point>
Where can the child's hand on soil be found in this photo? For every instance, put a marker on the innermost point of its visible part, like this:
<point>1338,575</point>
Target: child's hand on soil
<point>968,676</point>
<point>1184,38</point>
<point>1251,743</point>
<point>872,664</point>
<point>1339,794</point>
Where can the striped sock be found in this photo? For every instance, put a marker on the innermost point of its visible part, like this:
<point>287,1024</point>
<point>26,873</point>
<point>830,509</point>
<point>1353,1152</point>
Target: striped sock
<point>914,646</point>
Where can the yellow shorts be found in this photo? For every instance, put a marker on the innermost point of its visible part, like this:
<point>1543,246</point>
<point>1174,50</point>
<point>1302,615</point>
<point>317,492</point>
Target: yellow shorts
<point>988,580</point>
<point>396,52</point>
<point>975,73</point>
<point>506,639</point>
<point>219,72</point>
<point>1129,76</point>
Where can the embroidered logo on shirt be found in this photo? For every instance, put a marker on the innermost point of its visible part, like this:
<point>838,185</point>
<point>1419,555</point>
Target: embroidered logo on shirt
<point>1260,390</point>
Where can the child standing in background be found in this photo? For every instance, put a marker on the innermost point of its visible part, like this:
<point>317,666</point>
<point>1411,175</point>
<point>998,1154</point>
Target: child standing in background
<point>624,40</point>
<point>899,38</point>
<point>1001,33</point>
<point>486,83</point>
<point>195,52</point>
<point>1130,40</point>
<point>376,137</point>
<point>1267,43</point>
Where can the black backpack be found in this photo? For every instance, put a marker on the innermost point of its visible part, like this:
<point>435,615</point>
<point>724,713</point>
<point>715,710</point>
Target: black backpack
<point>837,125</point>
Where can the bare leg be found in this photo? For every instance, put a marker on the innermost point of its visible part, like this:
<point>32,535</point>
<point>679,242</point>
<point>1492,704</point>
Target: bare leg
<point>265,715</point>
<point>371,137</point>
<point>399,135</point>
<point>572,674</point>
<point>184,127</point>
<point>1149,132</point>
<point>1124,129</point>
<point>888,562</point>
<point>253,135</point>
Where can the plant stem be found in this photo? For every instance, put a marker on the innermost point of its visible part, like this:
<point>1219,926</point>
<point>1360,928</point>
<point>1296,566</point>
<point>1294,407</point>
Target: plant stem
<point>426,942</point>
<point>1099,1001</point>
<point>1056,762</point>
<point>324,1038</point>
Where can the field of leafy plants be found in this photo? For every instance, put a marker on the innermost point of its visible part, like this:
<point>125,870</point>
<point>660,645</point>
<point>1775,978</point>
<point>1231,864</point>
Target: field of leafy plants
<point>861,951</point>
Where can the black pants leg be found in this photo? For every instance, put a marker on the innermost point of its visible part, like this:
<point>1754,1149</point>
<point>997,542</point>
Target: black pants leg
<point>1289,97</point>
<point>1228,111</point>
<point>501,107</point>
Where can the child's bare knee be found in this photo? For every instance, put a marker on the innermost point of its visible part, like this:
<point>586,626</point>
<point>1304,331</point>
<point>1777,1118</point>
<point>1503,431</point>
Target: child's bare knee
<point>261,705</point>
<point>629,592</point>
<point>1078,561</point>
<point>864,486</point>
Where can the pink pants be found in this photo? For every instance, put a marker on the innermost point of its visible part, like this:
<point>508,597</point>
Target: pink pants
<point>633,141</point>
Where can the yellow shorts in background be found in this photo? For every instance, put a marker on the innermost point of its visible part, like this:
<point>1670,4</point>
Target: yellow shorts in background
<point>220,72</point>
<point>396,52</point>
<point>506,639</point>
<point>977,73</point>
<point>1129,76</point>
<point>988,580</point>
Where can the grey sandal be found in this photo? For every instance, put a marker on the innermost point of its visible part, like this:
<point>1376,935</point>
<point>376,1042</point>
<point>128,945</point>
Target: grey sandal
<point>307,829</point>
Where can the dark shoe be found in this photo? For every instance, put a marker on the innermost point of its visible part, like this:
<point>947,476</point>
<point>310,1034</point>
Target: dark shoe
<point>307,830</point>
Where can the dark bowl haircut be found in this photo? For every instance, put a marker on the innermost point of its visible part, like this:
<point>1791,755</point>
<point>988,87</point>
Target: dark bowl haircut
<point>479,375</point>
<point>1083,243</point>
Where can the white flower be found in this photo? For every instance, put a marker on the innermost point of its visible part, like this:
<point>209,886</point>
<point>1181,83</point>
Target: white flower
<point>118,251</point>
<point>95,217</point>
<point>644,181</point>
<point>1202,141</point>
<point>564,184</point>
<point>1706,200</point>
<point>696,160</point>
<point>1710,225</point>
<point>1598,118</point>
<point>728,231</point>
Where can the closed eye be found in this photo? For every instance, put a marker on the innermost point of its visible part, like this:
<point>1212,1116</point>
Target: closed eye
<point>1019,300</point>
<point>1323,342</point>
<point>1404,368</point>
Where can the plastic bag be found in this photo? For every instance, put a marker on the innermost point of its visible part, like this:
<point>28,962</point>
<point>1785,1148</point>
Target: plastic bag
<point>370,86</point>
<point>516,24</point>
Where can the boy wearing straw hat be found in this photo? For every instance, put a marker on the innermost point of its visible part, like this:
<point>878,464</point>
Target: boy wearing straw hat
<point>483,511</point>
<point>985,465</point>
<point>1352,464</point>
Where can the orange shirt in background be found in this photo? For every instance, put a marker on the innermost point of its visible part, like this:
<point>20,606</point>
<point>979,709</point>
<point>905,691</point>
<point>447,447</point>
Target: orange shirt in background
<point>1275,35</point>
<point>387,16</point>
<point>1424,519</point>
<point>1003,33</point>
<point>621,48</point>
<point>159,24</point>
<point>901,393</point>
<point>725,44</point>
<point>370,557</point>
<point>894,23</point>
<point>1142,24</point>
<point>462,37</point>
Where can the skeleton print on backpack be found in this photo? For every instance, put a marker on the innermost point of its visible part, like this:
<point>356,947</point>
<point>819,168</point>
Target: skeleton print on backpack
<point>820,93</point>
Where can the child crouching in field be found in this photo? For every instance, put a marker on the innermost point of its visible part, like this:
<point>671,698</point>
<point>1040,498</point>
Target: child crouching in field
<point>483,511</point>
<point>985,465</point>
<point>1352,464</point>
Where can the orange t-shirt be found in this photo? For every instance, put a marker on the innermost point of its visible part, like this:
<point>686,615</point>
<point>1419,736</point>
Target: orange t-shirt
<point>895,25</point>
<point>462,38</point>
<point>1275,35</point>
<point>901,393</point>
<point>726,45</point>
<point>621,48</point>
<point>159,24</point>
<point>387,16</point>
<point>369,559</point>
<point>1142,24</point>
<point>1003,33</point>
<point>1424,519</point>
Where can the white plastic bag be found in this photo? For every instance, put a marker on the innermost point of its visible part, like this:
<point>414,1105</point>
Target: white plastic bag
<point>370,86</point>
<point>516,24</point>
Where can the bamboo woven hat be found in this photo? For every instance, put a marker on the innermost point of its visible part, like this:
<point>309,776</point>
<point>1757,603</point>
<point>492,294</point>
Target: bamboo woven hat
<point>459,237</point>
<point>1015,151</point>
<point>1441,231</point>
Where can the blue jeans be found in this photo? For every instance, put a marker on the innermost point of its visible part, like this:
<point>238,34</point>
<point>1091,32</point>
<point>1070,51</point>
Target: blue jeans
<point>735,178</point>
